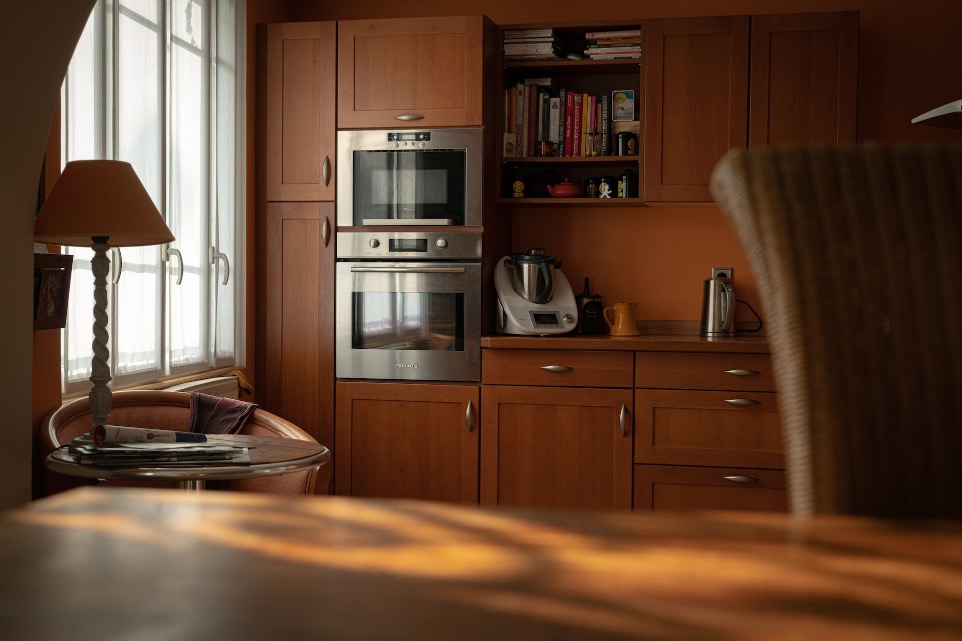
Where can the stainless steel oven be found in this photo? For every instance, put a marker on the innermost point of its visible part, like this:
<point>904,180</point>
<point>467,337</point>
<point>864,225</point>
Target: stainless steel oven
<point>409,177</point>
<point>408,305</point>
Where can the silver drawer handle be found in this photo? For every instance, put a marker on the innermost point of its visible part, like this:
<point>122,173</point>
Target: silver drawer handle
<point>469,416</point>
<point>623,419</point>
<point>326,171</point>
<point>741,401</point>
<point>741,479</point>
<point>408,117</point>
<point>556,368</point>
<point>742,372</point>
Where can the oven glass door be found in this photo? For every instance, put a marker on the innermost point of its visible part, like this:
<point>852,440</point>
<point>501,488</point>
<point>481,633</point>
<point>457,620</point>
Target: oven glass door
<point>413,321</point>
<point>424,187</point>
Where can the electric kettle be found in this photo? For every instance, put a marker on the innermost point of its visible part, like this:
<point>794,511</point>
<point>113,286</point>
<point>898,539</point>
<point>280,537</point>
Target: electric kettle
<point>533,275</point>
<point>718,304</point>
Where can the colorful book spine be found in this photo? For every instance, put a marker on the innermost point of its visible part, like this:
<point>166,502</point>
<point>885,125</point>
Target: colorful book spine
<point>569,123</point>
<point>531,135</point>
<point>518,120</point>
<point>554,120</point>
<point>605,124</point>
<point>577,119</point>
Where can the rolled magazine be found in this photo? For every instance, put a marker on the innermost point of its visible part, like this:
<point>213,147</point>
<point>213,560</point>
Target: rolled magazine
<point>121,434</point>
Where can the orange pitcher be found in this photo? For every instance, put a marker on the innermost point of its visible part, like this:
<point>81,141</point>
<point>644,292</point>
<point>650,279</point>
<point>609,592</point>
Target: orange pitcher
<point>623,323</point>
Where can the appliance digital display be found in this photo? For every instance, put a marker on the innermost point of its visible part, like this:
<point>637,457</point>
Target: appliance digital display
<point>542,318</point>
<point>408,244</point>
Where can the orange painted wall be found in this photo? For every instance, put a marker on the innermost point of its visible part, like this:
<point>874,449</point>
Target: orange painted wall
<point>658,257</point>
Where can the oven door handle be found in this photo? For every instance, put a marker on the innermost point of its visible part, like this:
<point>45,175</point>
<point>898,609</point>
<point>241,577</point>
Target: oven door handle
<point>411,270</point>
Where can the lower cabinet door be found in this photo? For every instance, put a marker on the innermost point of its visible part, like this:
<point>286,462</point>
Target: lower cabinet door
<point>556,447</point>
<point>404,440</point>
<point>678,488</point>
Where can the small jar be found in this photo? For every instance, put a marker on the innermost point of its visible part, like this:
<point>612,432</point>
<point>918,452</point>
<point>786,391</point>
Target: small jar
<point>591,188</point>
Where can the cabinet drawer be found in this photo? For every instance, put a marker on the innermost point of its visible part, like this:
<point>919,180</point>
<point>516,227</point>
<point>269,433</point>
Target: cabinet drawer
<point>707,428</point>
<point>674,370</point>
<point>668,488</point>
<point>556,368</point>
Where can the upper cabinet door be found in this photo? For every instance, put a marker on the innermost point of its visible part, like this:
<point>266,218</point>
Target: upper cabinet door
<point>696,102</point>
<point>803,78</point>
<point>300,125</point>
<point>410,72</point>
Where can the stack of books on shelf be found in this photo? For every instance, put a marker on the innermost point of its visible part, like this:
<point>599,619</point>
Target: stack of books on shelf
<point>612,45</point>
<point>541,120</point>
<point>532,44</point>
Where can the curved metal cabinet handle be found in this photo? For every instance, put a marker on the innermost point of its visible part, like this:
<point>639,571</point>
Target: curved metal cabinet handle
<point>741,479</point>
<point>469,416</point>
<point>326,231</point>
<point>623,419</point>
<point>117,260</point>
<point>741,401</point>
<point>742,372</point>
<point>170,251</point>
<point>408,117</point>
<point>213,256</point>
<point>326,171</point>
<point>557,368</point>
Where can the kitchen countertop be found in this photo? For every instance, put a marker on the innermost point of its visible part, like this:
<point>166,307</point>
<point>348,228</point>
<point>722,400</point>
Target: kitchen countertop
<point>641,343</point>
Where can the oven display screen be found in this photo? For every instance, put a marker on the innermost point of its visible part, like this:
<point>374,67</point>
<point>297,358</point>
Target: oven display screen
<point>408,245</point>
<point>408,321</point>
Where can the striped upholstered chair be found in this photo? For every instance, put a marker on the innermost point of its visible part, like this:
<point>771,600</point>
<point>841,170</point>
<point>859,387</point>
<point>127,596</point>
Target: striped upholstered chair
<point>857,252</point>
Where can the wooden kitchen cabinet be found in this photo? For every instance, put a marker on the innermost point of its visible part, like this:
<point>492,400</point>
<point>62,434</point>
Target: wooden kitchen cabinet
<point>407,440</point>
<point>563,446</point>
<point>300,130</point>
<point>802,72</point>
<point>298,265</point>
<point>696,102</point>
<point>412,72</point>
<point>803,79</point>
<point>715,441</point>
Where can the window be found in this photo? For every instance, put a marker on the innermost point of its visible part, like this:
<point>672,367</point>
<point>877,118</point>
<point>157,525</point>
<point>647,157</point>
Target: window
<point>160,84</point>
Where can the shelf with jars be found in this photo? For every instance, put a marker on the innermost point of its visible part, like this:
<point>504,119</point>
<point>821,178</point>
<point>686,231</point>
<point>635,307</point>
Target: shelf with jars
<point>571,96</point>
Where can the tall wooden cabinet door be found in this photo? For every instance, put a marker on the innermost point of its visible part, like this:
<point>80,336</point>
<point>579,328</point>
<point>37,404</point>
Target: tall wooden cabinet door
<point>420,72</point>
<point>556,447</point>
<point>299,289</point>
<point>301,129</point>
<point>696,102</point>
<point>407,440</point>
<point>803,78</point>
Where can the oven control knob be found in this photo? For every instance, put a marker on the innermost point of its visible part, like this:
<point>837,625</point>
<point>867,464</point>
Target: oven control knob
<point>442,243</point>
<point>374,242</point>
<point>568,318</point>
<point>396,145</point>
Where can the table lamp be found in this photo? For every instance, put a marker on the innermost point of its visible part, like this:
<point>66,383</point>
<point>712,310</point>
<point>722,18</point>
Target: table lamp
<point>100,204</point>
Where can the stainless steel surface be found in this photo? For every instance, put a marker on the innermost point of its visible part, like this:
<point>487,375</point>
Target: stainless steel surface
<point>408,222</point>
<point>718,304</point>
<point>408,277</point>
<point>470,139</point>
<point>742,372</point>
<point>419,245</point>
<point>533,276</point>
<point>741,479</point>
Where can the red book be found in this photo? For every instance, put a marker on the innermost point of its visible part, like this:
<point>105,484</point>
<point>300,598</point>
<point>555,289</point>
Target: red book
<point>576,125</point>
<point>569,123</point>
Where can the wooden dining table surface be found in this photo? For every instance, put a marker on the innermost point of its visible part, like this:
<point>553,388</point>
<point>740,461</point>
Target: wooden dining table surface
<point>152,565</point>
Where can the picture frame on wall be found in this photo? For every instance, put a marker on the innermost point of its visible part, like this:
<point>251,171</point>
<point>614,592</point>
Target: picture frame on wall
<point>51,290</point>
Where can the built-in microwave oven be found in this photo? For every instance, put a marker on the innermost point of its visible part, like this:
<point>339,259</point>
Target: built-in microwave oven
<point>409,177</point>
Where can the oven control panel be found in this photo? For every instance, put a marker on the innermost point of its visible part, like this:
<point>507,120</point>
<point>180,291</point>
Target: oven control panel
<point>409,245</point>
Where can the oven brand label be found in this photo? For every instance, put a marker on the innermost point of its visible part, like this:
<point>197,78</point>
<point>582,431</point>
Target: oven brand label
<point>406,365</point>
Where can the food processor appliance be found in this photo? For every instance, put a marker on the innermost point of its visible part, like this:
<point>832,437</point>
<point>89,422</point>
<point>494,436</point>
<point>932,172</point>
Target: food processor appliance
<point>534,297</point>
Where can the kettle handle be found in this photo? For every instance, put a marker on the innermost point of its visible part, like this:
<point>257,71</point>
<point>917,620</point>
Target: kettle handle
<point>544,271</point>
<point>728,303</point>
